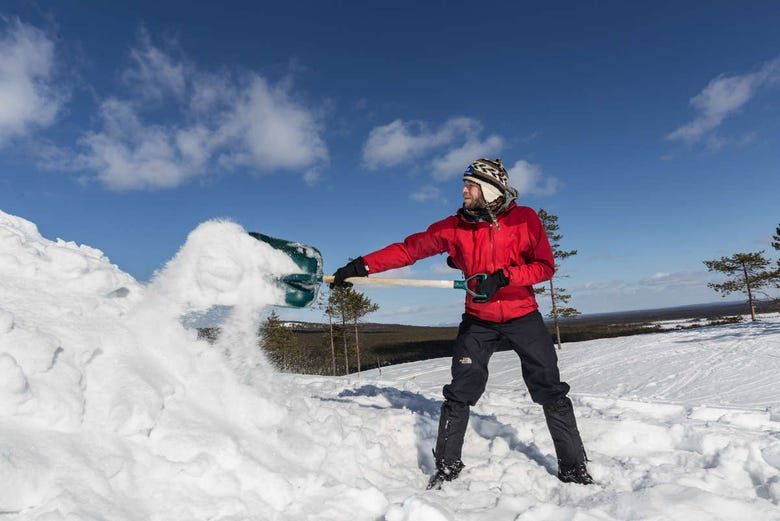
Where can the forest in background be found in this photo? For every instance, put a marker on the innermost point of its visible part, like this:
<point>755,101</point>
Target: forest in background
<point>309,351</point>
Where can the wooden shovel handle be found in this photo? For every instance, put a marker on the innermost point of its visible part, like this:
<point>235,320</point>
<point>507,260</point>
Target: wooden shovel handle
<point>378,281</point>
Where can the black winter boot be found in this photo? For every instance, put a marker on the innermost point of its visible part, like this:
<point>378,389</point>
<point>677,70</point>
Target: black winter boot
<point>568,444</point>
<point>575,474</point>
<point>444,472</point>
<point>452,429</point>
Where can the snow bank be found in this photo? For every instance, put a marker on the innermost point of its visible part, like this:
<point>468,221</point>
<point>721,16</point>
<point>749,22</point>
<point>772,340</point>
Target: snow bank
<point>110,408</point>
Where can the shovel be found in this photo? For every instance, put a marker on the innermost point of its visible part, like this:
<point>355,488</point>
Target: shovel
<point>301,288</point>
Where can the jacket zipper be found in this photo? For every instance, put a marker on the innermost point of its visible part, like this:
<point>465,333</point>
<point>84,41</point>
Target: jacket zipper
<point>493,232</point>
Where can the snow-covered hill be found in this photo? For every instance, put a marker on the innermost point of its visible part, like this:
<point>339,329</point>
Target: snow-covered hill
<point>111,409</point>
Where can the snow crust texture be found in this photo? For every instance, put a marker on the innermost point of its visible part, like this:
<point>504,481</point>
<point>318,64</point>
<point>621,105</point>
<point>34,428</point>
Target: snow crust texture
<point>112,409</point>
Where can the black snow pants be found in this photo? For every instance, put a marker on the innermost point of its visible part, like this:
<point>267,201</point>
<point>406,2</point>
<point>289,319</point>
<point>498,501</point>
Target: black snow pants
<point>476,342</point>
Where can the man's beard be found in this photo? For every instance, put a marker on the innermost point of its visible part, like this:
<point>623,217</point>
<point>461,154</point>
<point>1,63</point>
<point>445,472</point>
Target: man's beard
<point>480,209</point>
<point>475,204</point>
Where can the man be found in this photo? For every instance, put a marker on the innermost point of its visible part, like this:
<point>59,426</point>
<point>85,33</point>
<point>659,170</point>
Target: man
<point>491,235</point>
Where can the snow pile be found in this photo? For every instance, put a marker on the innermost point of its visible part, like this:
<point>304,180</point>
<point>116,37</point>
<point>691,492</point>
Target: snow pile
<point>111,409</point>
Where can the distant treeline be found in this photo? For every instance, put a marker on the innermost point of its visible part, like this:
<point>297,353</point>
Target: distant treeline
<point>387,344</point>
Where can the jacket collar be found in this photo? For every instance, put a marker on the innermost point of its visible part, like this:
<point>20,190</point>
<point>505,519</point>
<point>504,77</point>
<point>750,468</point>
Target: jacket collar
<point>473,219</point>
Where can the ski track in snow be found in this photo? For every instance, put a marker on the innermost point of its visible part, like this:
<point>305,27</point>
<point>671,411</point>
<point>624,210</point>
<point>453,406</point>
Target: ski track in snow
<point>111,409</point>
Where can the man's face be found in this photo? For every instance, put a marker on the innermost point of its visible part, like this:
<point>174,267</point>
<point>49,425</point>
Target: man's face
<point>472,196</point>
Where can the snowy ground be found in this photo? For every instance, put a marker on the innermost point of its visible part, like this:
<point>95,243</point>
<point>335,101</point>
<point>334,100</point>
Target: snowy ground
<point>110,409</point>
<point>687,323</point>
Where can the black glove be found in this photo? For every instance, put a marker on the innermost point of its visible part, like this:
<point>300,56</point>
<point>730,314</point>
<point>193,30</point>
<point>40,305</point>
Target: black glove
<point>490,285</point>
<point>354,268</point>
<point>451,263</point>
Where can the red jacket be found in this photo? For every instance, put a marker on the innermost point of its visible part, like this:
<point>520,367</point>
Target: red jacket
<point>519,246</point>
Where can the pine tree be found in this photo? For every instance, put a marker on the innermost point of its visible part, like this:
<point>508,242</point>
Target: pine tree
<point>337,308</point>
<point>776,246</point>
<point>330,312</point>
<point>561,299</point>
<point>347,306</point>
<point>358,306</point>
<point>558,296</point>
<point>747,274</point>
<point>279,343</point>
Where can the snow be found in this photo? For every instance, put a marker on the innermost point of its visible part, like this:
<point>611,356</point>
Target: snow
<point>110,408</point>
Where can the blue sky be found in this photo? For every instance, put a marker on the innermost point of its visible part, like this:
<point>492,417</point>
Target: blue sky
<point>652,129</point>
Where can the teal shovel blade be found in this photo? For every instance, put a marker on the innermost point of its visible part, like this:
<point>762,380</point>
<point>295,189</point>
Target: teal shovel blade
<point>300,288</point>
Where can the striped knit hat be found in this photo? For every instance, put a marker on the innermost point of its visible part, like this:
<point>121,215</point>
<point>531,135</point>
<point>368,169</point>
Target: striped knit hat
<point>490,175</point>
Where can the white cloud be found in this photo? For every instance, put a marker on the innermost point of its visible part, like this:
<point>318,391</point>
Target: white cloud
<point>154,72</point>
<point>454,162</point>
<point>427,193</point>
<point>210,93</point>
<point>392,144</point>
<point>602,285</point>
<point>311,177</point>
<point>398,142</point>
<point>217,122</point>
<point>528,179</point>
<point>655,290</point>
<point>443,269</point>
<point>458,142</point>
<point>29,96</point>
<point>272,130</point>
<point>129,154</point>
<point>722,97</point>
<point>677,279</point>
<point>401,142</point>
<point>407,272</point>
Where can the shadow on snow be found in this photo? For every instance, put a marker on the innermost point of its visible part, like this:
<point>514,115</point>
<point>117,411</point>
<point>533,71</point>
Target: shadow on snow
<point>427,410</point>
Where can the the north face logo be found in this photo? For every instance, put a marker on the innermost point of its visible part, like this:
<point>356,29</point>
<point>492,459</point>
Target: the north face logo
<point>465,360</point>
